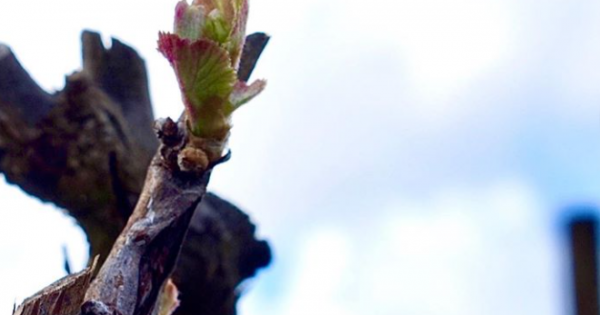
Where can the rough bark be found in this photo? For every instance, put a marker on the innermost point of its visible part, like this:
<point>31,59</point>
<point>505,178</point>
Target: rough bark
<point>87,148</point>
<point>63,297</point>
<point>144,255</point>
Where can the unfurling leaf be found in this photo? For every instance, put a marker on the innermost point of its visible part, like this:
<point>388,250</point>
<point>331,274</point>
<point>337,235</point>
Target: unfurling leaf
<point>205,51</point>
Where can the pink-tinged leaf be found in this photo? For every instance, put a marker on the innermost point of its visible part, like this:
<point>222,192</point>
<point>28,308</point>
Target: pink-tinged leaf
<point>225,7</point>
<point>180,9</point>
<point>222,21</point>
<point>189,20</point>
<point>238,34</point>
<point>217,28</point>
<point>243,93</point>
<point>219,15</point>
<point>206,79</point>
<point>168,44</point>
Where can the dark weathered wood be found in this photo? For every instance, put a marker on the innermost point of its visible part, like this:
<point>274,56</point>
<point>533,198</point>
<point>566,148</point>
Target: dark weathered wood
<point>79,151</point>
<point>19,93</point>
<point>79,157</point>
<point>83,156</point>
<point>583,237</point>
<point>121,73</point>
<point>220,252</point>
<point>253,47</point>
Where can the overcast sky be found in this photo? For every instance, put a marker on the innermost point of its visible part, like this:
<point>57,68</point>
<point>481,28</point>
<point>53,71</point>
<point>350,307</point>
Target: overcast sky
<point>407,157</point>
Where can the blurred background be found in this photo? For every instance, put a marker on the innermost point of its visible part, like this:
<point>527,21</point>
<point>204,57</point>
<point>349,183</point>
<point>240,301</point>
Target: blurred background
<point>407,157</point>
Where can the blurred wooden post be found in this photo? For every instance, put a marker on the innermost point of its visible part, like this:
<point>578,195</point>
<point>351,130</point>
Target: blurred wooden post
<point>582,232</point>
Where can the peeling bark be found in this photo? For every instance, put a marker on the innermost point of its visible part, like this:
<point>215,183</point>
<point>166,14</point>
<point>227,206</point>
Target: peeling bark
<point>63,297</point>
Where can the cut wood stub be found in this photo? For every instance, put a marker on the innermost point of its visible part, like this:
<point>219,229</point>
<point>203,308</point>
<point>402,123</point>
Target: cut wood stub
<point>62,297</point>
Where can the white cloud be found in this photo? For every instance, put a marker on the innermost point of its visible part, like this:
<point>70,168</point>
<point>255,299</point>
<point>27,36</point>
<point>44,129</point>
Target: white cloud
<point>368,100</point>
<point>318,282</point>
<point>445,45</point>
<point>466,250</point>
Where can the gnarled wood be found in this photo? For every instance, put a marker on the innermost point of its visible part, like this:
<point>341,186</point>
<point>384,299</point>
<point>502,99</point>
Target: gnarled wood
<point>87,149</point>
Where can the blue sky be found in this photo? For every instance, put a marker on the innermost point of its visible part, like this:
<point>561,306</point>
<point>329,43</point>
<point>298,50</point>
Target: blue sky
<point>407,157</point>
